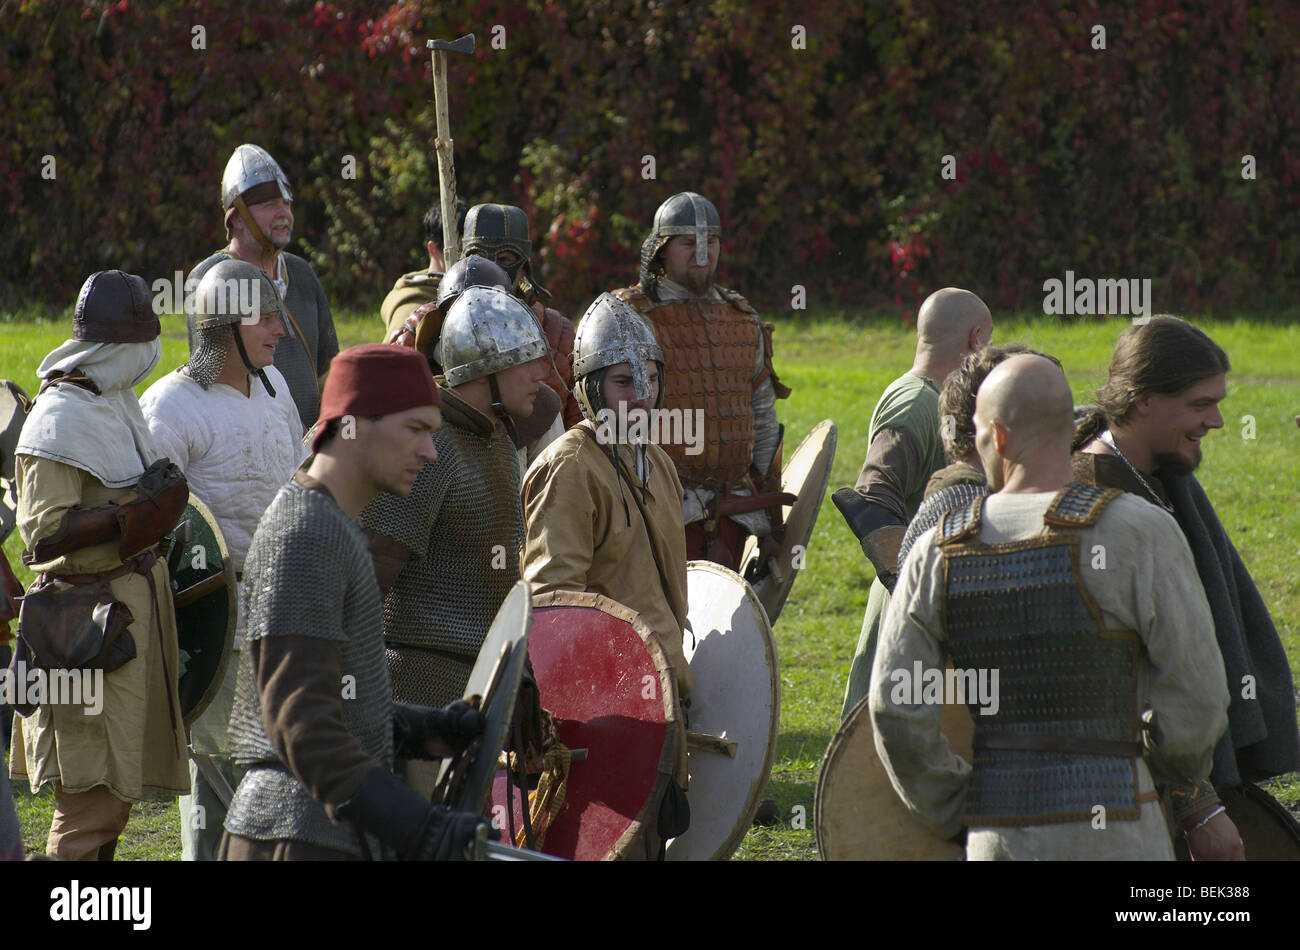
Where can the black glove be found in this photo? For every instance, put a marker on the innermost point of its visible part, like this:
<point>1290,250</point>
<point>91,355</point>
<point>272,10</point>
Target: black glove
<point>397,815</point>
<point>458,723</point>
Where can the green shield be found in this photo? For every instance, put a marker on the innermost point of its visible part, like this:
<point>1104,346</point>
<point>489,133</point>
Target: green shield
<point>204,589</point>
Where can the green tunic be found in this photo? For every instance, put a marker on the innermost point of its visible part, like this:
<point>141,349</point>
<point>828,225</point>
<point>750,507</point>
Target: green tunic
<point>911,404</point>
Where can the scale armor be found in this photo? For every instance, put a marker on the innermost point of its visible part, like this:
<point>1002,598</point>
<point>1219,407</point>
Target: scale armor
<point>709,349</point>
<point>305,538</point>
<point>464,522</point>
<point>1021,608</point>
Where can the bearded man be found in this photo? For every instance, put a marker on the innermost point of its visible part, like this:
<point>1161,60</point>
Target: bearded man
<point>94,499</point>
<point>904,449</point>
<point>447,554</point>
<point>1111,684</point>
<point>1160,400</point>
<point>227,420</point>
<point>258,207</point>
<point>717,368</point>
<point>319,757</point>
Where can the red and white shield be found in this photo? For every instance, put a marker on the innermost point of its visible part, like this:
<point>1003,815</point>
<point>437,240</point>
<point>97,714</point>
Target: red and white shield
<point>608,686</point>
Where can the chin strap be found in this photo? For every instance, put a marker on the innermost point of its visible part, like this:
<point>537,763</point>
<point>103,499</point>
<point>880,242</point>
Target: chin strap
<point>243,355</point>
<point>253,229</point>
<point>499,408</point>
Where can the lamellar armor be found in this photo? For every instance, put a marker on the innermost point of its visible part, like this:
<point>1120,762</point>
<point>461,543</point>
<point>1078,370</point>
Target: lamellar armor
<point>1065,737</point>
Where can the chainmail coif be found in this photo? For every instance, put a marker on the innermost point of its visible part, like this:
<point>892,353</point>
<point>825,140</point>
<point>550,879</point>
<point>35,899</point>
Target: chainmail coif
<point>208,359</point>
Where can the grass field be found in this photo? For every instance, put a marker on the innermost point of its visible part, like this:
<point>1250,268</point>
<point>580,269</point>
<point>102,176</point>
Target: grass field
<point>837,369</point>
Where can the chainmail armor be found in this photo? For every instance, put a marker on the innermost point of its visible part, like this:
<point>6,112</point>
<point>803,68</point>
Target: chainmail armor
<point>953,498</point>
<point>1020,608</point>
<point>208,359</point>
<point>305,545</point>
<point>464,523</point>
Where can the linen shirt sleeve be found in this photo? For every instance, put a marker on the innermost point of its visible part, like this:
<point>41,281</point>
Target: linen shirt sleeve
<point>928,777</point>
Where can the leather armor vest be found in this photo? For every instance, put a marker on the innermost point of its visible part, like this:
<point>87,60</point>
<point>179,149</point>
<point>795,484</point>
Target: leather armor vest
<point>1065,737</point>
<point>709,350</point>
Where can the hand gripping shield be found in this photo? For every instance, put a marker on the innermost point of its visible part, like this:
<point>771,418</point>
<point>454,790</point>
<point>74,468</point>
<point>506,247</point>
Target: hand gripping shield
<point>609,688</point>
<point>735,710</point>
<point>464,781</point>
<point>804,476</point>
<point>204,593</point>
<point>858,814</point>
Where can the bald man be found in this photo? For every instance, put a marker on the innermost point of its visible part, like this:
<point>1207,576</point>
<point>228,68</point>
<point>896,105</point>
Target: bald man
<point>1075,614</point>
<point>903,450</point>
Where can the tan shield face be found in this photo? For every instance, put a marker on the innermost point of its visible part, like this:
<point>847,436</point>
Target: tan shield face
<point>205,595</point>
<point>859,816</point>
<point>804,475</point>
<point>734,713</point>
<point>464,781</point>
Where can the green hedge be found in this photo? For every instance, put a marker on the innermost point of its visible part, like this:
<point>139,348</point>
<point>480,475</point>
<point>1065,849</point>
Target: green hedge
<point>825,161</point>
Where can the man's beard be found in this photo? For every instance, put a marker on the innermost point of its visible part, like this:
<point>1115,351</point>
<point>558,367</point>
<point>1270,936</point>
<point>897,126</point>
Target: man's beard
<point>698,282</point>
<point>1171,463</point>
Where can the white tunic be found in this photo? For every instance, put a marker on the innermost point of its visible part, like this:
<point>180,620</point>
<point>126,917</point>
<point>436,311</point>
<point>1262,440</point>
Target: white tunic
<point>235,450</point>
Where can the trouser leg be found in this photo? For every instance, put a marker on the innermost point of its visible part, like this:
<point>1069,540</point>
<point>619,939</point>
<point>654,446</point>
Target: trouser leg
<point>84,822</point>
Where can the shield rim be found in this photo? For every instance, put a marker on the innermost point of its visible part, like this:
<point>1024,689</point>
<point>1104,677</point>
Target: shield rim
<point>232,615</point>
<point>477,784</point>
<point>728,848</point>
<point>667,693</point>
<point>779,596</point>
<point>844,734</point>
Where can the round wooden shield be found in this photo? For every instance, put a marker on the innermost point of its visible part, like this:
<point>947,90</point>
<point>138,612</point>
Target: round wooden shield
<point>804,475</point>
<point>859,816</point>
<point>606,682</point>
<point>204,592</point>
<point>464,781</point>
<point>734,714</point>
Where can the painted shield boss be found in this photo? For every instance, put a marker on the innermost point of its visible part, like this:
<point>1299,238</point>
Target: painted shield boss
<point>464,781</point>
<point>805,475</point>
<point>204,592</point>
<point>737,700</point>
<point>608,686</point>
<point>859,816</point>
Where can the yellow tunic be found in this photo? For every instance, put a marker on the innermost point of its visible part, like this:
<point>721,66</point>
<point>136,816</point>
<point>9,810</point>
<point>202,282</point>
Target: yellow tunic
<point>578,536</point>
<point>135,745</point>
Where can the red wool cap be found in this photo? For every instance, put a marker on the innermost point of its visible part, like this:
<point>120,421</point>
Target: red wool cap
<point>375,379</point>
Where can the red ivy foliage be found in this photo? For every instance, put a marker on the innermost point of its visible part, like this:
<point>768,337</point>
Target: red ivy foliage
<point>825,161</point>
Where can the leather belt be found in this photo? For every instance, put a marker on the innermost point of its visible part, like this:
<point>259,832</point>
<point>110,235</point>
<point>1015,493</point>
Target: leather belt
<point>1073,745</point>
<point>140,564</point>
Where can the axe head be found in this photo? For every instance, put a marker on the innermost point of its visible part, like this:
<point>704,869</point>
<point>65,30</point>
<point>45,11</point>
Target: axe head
<point>463,45</point>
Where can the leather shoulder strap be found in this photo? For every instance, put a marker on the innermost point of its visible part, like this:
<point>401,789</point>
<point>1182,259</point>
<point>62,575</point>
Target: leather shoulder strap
<point>1078,505</point>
